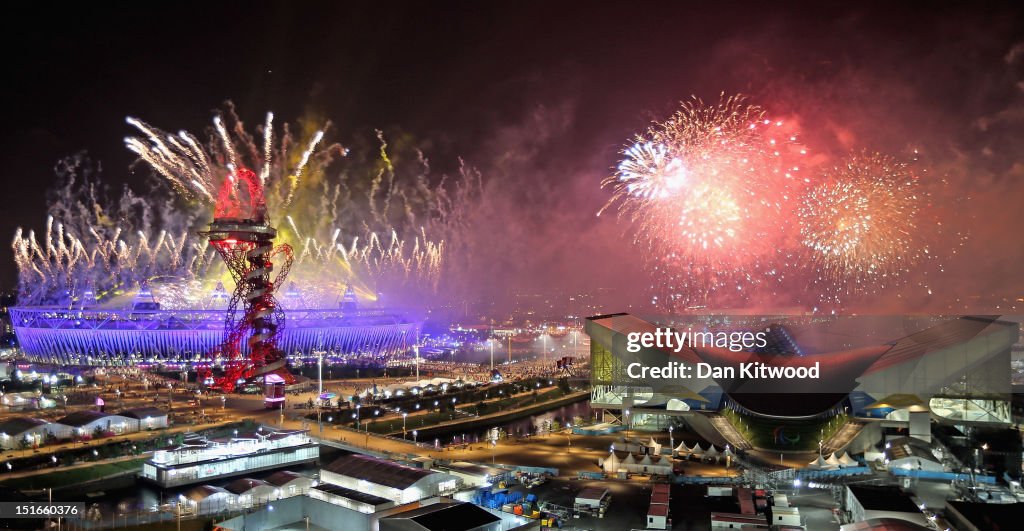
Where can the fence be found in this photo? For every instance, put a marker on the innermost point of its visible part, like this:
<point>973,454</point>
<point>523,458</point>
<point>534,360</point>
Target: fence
<point>944,476</point>
<point>531,469</point>
<point>703,480</point>
<point>837,473</point>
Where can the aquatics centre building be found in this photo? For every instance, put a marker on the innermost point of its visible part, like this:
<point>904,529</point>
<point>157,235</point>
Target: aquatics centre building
<point>900,370</point>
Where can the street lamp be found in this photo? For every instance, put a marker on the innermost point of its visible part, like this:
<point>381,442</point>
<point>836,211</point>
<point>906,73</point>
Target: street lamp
<point>181,499</point>
<point>320,373</point>
<point>414,434</point>
<point>671,441</point>
<point>404,414</point>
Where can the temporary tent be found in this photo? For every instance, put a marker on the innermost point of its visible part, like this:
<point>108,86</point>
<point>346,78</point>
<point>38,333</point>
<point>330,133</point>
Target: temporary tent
<point>819,463</point>
<point>611,464</point>
<point>846,461</point>
<point>833,461</point>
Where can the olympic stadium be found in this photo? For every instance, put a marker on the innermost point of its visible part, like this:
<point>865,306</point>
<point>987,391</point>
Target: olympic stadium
<point>142,333</point>
<point>903,372</point>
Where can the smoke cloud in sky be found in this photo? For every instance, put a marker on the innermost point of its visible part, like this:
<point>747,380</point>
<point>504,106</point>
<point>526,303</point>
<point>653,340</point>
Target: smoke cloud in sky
<point>541,101</point>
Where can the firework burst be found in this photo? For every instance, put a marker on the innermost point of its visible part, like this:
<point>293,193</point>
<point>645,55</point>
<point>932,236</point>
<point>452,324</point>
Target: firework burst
<point>706,190</point>
<point>858,225</point>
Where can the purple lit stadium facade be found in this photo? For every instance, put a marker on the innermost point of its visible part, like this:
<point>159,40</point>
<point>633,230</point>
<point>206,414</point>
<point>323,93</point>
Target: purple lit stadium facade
<point>158,337</point>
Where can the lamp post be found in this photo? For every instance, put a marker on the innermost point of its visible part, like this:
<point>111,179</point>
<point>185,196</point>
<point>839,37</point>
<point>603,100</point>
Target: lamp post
<point>404,414</point>
<point>671,441</point>
<point>414,436</point>
<point>181,499</point>
<point>544,341</point>
<point>319,374</point>
<point>627,422</point>
<point>416,351</point>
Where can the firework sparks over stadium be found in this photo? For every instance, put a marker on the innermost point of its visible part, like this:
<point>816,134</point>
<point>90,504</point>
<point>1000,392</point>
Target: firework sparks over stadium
<point>382,231</point>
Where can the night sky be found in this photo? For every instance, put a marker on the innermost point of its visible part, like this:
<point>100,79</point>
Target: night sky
<point>540,96</point>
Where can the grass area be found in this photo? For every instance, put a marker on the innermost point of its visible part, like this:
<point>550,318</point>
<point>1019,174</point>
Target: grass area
<point>784,435</point>
<point>74,476</point>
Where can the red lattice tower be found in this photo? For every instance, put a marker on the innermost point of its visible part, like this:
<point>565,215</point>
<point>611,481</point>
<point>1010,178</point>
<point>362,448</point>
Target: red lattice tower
<point>243,237</point>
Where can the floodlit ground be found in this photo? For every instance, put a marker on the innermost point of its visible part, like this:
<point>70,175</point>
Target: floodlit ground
<point>555,451</point>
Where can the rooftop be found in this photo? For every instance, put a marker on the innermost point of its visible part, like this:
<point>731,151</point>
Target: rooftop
<point>81,418</point>
<point>592,493</point>
<point>143,412</point>
<point>200,493</point>
<point>909,447</point>
<point>657,509</point>
<point>447,517</point>
<point>986,515</point>
<point>883,498</point>
<point>283,477</point>
<point>19,425</point>
<point>883,524</point>
<point>350,494</point>
<point>379,471</point>
<point>242,485</point>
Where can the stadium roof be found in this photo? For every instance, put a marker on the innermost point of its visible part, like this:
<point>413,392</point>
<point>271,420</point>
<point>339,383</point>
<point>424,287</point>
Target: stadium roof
<point>459,516</point>
<point>378,471</point>
<point>938,337</point>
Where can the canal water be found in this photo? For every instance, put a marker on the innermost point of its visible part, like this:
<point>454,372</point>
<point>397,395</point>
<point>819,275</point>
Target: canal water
<point>522,427</point>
